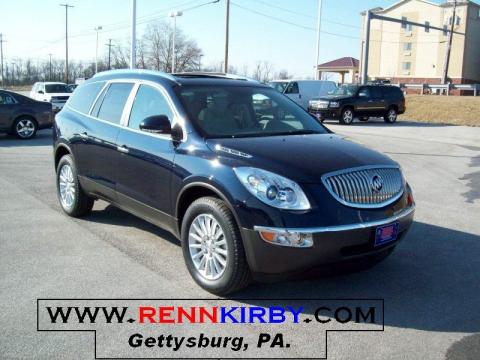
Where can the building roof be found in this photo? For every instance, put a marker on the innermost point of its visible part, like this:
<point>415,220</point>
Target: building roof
<point>345,62</point>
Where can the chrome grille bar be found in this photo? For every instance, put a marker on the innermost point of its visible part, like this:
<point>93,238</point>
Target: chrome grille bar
<point>366,187</point>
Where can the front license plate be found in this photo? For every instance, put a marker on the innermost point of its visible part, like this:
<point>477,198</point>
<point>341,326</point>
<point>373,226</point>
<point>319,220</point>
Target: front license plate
<point>385,234</point>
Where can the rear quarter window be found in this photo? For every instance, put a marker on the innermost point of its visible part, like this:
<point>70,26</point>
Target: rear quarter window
<point>84,96</point>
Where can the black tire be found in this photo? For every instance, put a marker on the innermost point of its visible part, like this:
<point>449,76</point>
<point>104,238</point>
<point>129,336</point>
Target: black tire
<point>25,128</point>
<point>391,115</point>
<point>364,118</point>
<point>236,274</point>
<point>81,204</point>
<point>347,116</point>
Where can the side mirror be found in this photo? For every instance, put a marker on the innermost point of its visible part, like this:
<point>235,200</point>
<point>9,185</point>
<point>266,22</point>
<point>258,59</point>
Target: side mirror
<point>40,92</point>
<point>177,133</point>
<point>157,124</point>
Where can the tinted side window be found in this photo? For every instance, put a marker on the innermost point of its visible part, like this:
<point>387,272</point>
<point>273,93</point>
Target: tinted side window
<point>84,96</point>
<point>114,101</point>
<point>148,102</point>
<point>292,88</point>
<point>6,99</point>
<point>364,92</point>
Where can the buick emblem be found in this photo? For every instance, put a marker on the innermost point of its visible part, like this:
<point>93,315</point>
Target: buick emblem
<point>377,183</point>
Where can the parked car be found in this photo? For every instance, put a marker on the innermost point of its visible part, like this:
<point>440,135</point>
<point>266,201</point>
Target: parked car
<point>56,93</point>
<point>365,101</point>
<point>22,116</point>
<point>251,184</point>
<point>302,91</point>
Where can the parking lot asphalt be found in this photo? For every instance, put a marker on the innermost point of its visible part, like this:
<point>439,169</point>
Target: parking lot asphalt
<point>431,284</point>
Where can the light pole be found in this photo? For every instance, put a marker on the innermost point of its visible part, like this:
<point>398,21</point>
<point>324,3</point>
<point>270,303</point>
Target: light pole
<point>319,26</point>
<point>66,39</point>
<point>174,15</point>
<point>133,42</point>
<point>97,29</point>
<point>50,67</point>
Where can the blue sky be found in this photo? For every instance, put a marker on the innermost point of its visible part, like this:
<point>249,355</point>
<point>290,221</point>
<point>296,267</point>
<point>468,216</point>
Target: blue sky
<point>35,28</point>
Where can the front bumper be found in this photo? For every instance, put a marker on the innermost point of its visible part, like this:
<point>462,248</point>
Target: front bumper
<point>325,113</point>
<point>331,244</point>
<point>57,106</point>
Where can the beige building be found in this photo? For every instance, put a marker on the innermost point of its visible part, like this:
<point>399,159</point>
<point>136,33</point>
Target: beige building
<point>412,54</point>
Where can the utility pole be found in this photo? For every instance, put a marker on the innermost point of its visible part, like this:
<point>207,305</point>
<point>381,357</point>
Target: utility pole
<point>366,47</point>
<point>1,59</point>
<point>319,26</point>
<point>66,40</point>
<point>109,52</point>
<point>449,45</point>
<point>50,56</point>
<point>227,35</point>
<point>13,73</point>
<point>97,29</point>
<point>133,45</point>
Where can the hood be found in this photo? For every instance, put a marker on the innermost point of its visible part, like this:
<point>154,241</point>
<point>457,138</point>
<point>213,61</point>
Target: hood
<point>302,158</point>
<point>333,97</point>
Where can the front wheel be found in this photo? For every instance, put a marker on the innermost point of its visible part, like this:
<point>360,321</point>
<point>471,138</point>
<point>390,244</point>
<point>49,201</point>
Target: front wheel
<point>25,128</point>
<point>391,116</point>
<point>347,116</point>
<point>73,200</point>
<point>212,247</point>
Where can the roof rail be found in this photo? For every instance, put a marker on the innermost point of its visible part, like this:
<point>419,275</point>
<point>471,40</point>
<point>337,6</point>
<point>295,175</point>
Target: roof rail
<point>136,71</point>
<point>218,75</point>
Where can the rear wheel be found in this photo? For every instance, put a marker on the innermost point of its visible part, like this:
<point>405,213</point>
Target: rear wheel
<point>347,116</point>
<point>212,247</point>
<point>391,116</point>
<point>25,128</point>
<point>72,199</point>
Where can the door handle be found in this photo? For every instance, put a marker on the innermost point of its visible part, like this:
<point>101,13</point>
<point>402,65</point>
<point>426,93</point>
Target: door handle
<point>123,149</point>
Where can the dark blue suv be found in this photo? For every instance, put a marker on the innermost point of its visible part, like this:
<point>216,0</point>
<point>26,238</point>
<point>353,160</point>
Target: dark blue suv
<point>251,184</point>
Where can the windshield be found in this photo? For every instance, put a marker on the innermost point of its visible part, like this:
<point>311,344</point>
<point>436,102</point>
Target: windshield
<point>280,86</point>
<point>57,88</point>
<point>238,111</point>
<point>349,90</point>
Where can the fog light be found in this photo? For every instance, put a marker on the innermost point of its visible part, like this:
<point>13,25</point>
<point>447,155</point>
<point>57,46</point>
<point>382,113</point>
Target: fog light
<point>284,238</point>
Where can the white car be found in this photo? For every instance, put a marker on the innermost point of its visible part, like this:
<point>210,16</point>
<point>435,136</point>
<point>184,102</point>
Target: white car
<point>302,91</point>
<point>56,93</point>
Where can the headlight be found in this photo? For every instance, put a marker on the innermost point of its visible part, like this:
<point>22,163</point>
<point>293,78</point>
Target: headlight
<point>273,189</point>
<point>334,104</point>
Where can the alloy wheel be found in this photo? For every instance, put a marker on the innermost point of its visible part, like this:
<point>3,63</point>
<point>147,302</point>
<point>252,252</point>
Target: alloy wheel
<point>66,185</point>
<point>348,116</point>
<point>392,115</point>
<point>25,128</point>
<point>208,247</point>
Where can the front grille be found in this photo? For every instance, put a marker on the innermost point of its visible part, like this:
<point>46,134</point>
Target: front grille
<point>60,98</point>
<point>368,187</point>
<point>317,105</point>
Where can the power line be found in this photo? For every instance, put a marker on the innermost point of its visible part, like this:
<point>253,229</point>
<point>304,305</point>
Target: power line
<point>323,32</point>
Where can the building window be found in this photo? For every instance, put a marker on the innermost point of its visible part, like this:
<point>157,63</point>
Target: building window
<point>458,21</point>
<point>406,66</point>
<point>445,30</point>
<point>407,27</point>
<point>427,26</point>
<point>407,46</point>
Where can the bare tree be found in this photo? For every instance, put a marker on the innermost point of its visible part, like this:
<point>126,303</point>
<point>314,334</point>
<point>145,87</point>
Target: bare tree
<point>262,71</point>
<point>158,42</point>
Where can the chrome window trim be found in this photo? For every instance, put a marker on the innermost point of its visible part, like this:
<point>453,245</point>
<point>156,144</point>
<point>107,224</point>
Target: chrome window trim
<point>360,168</point>
<point>128,107</point>
<point>336,228</point>
<point>96,97</point>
